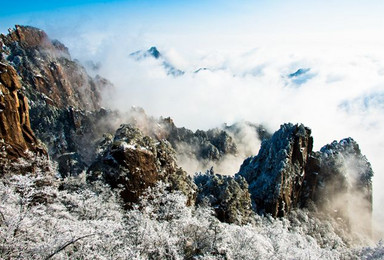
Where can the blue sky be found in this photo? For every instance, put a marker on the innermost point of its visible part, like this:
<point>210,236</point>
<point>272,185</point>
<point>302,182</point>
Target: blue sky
<point>353,20</point>
<point>25,7</point>
<point>264,15</point>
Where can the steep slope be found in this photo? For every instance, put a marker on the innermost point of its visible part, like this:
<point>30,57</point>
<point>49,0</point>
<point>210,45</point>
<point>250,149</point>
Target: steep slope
<point>339,181</point>
<point>276,175</point>
<point>64,101</point>
<point>227,195</point>
<point>287,174</point>
<point>20,151</point>
<point>133,162</point>
<point>15,127</point>
<point>16,134</point>
<point>48,71</point>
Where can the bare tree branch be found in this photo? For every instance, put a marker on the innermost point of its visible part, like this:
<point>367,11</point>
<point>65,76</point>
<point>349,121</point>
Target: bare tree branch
<point>67,244</point>
<point>2,217</point>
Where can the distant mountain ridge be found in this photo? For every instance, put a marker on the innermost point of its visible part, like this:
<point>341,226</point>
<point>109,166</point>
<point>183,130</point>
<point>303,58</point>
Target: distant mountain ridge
<point>153,52</point>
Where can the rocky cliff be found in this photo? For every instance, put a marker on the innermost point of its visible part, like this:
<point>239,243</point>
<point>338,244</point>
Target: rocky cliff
<point>48,71</point>
<point>339,181</point>
<point>227,195</point>
<point>133,162</point>
<point>277,173</point>
<point>17,140</point>
<point>287,174</point>
<point>15,128</point>
<point>204,147</point>
<point>64,100</point>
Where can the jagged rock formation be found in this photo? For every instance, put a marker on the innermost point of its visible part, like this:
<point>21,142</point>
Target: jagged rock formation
<point>20,151</point>
<point>134,162</point>
<point>227,195</point>
<point>210,145</point>
<point>15,129</point>
<point>339,181</point>
<point>46,67</point>
<point>205,147</point>
<point>60,93</point>
<point>276,174</point>
<point>16,135</point>
<point>286,174</point>
<point>71,130</point>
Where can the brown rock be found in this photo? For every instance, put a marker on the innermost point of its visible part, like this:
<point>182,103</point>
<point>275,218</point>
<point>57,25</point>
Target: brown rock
<point>46,68</point>
<point>64,100</point>
<point>135,162</point>
<point>15,128</point>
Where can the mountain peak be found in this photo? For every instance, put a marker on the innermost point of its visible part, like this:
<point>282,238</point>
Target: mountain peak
<point>299,72</point>
<point>153,51</point>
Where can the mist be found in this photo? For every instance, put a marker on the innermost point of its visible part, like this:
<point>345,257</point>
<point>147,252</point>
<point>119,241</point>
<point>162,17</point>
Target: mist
<point>341,96</point>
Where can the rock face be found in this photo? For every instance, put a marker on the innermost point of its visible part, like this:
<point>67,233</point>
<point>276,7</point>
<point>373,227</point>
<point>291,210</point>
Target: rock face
<point>211,145</point>
<point>340,180</point>
<point>64,101</point>
<point>204,147</point>
<point>20,151</point>
<point>276,174</point>
<point>46,67</point>
<point>71,130</point>
<point>15,130</point>
<point>286,174</point>
<point>135,162</point>
<point>228,195</point>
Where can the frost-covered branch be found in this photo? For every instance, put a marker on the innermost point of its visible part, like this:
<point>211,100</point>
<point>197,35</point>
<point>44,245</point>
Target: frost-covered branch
<point>62,247</point>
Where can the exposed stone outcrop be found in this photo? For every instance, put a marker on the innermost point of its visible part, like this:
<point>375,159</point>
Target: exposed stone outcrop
<point>20,151</point>
<point>227,195</point>
<point>46,67</point>
<point>339,181</point>
<point>16,134</point>
<point>286,174</point>
<point>211,145</point>
<point>64,100</point>
<point>66,115</point>
<point>204,147</point>
<point>71,130</point>
<point>154,53</point>
<point>135,162</point>
<point>276,174</point>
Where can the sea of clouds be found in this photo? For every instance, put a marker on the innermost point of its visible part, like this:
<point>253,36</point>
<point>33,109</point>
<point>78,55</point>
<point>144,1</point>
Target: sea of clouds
<point>340,93</point>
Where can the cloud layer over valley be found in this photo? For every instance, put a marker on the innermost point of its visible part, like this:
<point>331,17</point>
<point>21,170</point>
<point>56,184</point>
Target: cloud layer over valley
<point>338,95</point>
